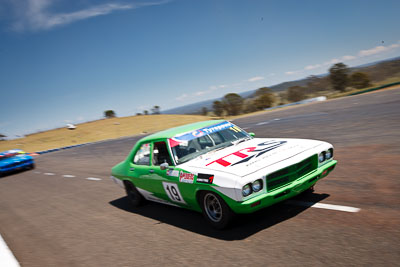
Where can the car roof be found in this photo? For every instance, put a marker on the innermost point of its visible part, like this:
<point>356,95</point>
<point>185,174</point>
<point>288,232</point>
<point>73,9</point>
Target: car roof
<point>180,129</point>
<point>12,151</point>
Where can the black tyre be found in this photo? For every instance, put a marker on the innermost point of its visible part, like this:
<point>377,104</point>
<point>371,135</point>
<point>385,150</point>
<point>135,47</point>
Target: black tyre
<point>215,210</point>
<point>309,190</point>
<point>133,194</point>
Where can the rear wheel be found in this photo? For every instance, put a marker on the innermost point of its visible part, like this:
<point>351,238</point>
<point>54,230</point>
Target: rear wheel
<point>133,194</point>
<point>215,210</point>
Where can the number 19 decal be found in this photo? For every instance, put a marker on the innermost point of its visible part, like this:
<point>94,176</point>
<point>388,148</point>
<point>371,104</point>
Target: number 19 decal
<point>173,193</point>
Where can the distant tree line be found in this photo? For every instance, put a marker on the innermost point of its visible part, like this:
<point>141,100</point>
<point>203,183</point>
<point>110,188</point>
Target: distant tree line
<point>111,113</point>
<point>233,104</point>
<point>340,78</point>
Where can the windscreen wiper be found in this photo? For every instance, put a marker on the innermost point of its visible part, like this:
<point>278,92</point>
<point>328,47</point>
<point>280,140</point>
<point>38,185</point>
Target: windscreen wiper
<point>240,140</point>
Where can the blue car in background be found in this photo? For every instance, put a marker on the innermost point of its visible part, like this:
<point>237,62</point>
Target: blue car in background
<point>15,160</point>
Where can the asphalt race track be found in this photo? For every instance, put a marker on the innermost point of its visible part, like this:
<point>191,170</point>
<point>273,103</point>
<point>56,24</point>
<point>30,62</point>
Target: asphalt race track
<point>67,212</point>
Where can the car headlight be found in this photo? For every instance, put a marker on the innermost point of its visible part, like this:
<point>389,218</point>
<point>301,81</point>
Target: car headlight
<point>257,185</point>
<point>321,157</point>
<point>329,153</point>
<point>246,190</point>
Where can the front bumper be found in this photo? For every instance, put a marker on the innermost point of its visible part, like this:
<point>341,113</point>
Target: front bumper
<point>16,167</point>
<point>117,181</point>
<point>288,191</point>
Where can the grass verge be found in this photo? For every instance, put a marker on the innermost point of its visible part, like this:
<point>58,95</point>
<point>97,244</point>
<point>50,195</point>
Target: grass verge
<point>99,130</point>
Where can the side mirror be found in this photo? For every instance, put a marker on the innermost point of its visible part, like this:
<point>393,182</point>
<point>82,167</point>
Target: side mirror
<point>164,166</point>
<point>252,134</point>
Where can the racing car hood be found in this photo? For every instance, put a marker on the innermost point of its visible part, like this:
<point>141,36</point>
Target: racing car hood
<point>10,160</point>
<point>252,155</point>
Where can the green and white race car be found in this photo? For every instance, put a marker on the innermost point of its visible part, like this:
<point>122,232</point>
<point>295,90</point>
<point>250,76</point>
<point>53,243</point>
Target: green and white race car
<point>216,168</point>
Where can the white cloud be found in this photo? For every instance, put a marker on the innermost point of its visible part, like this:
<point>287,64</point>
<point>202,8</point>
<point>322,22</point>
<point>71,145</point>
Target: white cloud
<point>36,15</point>
<point>211,89</point>
<point>311,67</point>
<point>377,50</point>
<point>199,93</point>
<point>372,51</point>
<point>394,46</point>
<point>257,78</point>
<point>347,58</point>
<point>332,61</point>
<point>182,97</point>
<point>291,72</point>
<point>362,53</point>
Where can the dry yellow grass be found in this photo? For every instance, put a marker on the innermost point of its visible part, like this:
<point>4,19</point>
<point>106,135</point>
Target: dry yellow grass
<point>118,127</point>
<point>99,130</point>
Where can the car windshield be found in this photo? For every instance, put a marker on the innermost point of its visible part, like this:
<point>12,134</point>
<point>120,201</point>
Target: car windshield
<point>190,145</point>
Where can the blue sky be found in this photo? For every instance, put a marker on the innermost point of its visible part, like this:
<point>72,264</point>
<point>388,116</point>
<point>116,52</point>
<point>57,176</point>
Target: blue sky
<point>65,61</point>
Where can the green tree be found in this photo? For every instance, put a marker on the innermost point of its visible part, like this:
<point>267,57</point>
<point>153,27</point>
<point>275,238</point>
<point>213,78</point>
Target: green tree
<point>155,110</point>
<point>204,111</point>
<point>296,93</point>
<point>264,98</point>
<point>2,137</point>
<point>218,108</point>
<point>145,112</point>
<point>359,80</point>
<point>282,97</point>
<point>109,114</point>
<point>262,91</point>
<point>249,106</point>
<point>264,101</point>
<point>315,84</point>
<point>338,74</point>
<point>233,103</point>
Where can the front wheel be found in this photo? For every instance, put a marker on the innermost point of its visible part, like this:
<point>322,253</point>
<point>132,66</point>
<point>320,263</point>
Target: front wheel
<point>215,210</point>
<point>133,194</point>
<point>309,190</point>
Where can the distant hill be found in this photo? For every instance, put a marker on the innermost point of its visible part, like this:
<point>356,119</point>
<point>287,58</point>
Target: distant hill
<point>195,108</point>
<point>377,71</point>
<point>191,108</point>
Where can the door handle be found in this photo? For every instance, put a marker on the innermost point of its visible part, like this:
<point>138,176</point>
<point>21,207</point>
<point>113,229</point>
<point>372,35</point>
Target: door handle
<point>151,171</point>
<point>132,169</point>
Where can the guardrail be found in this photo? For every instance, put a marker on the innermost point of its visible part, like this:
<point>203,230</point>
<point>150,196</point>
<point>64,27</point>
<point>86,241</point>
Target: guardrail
<point>376,88</point>
<point>305,101</point>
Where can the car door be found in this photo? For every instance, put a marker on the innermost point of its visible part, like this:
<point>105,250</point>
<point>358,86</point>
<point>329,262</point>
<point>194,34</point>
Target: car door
<point>140,168</point>
<point>166,181</point>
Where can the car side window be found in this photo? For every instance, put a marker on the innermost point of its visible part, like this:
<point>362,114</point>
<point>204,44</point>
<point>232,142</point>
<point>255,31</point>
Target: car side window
<point>142,156</point>
<point>160,154</point>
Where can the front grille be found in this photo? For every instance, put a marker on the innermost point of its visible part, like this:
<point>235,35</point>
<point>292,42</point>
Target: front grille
<point>291,173</point>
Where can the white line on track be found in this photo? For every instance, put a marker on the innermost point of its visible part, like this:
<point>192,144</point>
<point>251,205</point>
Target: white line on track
<point>7,259</point>
<point>93,179</point>
<point>69,176</point>
<point>323,206</point>
<point>48,173</point>
<point>262,123</point>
